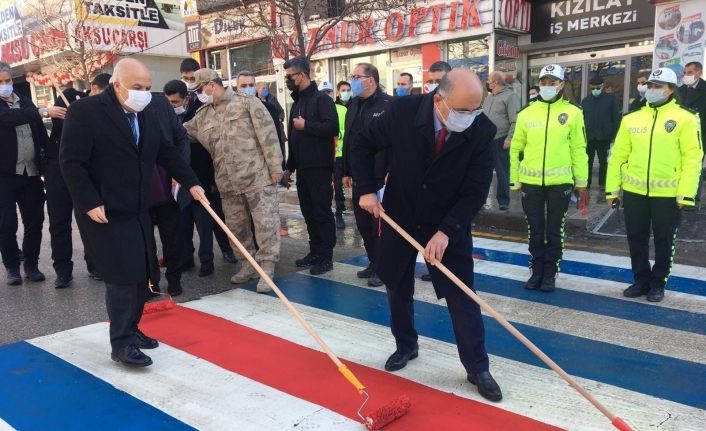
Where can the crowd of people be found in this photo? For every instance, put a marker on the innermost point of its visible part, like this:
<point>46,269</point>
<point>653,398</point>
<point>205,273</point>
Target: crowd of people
<point>125,162</point>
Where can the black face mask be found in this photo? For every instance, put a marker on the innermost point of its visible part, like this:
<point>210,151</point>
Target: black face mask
<point>291,85</point>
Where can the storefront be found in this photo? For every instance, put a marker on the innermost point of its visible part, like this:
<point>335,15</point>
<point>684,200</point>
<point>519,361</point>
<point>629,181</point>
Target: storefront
<point>612,39</point>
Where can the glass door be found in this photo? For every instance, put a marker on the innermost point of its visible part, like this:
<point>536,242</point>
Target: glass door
<point>574,80</point>
<point>613,74</point>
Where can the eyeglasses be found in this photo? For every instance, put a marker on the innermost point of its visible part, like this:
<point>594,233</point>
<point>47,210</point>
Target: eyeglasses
<point>290,77</point>
<point>359,76</point>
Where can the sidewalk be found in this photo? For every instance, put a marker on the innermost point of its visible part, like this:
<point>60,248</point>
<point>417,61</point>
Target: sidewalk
<point>513,219</point>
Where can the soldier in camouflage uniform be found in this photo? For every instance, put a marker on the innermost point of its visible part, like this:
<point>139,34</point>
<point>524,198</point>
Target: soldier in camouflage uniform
<point>240,135</point>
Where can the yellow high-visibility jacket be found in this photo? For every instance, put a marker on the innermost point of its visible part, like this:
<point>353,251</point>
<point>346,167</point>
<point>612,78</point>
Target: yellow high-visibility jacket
<point>657,153</point>
<point>341,111</point>
<point>553,139</point>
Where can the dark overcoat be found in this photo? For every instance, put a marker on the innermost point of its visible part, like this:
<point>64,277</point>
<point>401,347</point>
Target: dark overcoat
<point>102,166</point>
<point>426,193</point>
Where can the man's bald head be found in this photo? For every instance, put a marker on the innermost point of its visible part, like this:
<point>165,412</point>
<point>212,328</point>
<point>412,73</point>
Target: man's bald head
<point>130,74</point>
<point>461,89</point>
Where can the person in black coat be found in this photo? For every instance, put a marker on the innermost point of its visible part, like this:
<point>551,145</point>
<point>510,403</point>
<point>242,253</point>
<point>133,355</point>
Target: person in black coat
<point>313,125</point>
<point>440,170</point>
<point>600,111</point>
<point>23,141</point>
<point>110,146</point>
<point>370,104</point>
<point>693,96</point>
<point>59,204</point>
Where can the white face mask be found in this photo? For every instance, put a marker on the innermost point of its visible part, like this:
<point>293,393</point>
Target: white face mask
<point>641,88</point>
<point>459,121</point>
<point>432,87</point>
<point>548,92</point>
<point>655,96</point>
<point>688,79</point>
<point>6,90</point>
<point>345,96</point>
<point>205,98</point>
<point>137,100</point>
<point>179,110</point>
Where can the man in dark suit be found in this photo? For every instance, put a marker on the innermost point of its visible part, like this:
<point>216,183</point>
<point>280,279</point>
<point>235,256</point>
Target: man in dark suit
<point>692,95</point>
<point>441,166</point>
<point>109,150</point>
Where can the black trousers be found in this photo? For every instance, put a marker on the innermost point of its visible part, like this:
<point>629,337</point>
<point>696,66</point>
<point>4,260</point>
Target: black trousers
<point>315,194</point>
<point>166,219</point>
<point>338,186</point>
<point>124,303</point>
<point>663,216</point>
<point>195,214</point>
<point>368,227</point>
<point>601,149</point>
<point>465,315</point>
<point>546,234</point>
<point>502,171</point>
<point>60,209</point>
<point>27,193</point>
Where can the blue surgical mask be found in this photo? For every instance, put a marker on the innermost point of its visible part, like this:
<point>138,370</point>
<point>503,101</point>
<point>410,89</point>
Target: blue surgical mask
<point>655,96</point>
<point>402,91</point>
<point>548,92</point>
<point>356,87</point>
<point>596,92</point>
<point>250,91</point>
<point>6,90</point>
<point>265,92</point>
<point>345,96</point>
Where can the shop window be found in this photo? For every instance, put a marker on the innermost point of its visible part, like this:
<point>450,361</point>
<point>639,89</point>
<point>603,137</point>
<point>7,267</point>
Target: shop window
<point>215,61</point>
<point>472,54</point>
<point>613,74</point>
<point>256,58</point>
<point>639,64</point>
<point>343,68</point>
<point>508,60</point>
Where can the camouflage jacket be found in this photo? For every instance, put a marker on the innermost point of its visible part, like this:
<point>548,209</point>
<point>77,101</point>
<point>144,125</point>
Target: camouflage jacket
<point>241,137</point>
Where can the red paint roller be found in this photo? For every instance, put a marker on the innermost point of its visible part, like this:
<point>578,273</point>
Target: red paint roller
<point>374,421</point>
<point>159,305</point>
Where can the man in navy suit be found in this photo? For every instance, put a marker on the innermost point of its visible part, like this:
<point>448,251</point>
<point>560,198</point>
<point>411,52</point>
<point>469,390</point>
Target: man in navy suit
<point>441,166</point>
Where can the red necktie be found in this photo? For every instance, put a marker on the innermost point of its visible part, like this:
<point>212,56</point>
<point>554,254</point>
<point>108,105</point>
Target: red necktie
<point>440,140</point>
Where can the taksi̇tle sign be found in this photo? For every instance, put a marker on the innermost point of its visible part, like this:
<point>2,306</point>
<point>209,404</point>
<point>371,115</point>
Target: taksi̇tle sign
<point>10,22</point>
<point>142,13</point>
<point>560,19</point>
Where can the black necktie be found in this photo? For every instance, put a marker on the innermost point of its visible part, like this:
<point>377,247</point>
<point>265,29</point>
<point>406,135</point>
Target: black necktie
<point>132,119</point>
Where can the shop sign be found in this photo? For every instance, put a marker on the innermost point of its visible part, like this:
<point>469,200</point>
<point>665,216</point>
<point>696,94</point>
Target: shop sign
<point>424,23</point>
<point>188,8</point>
<point>143,13</point>
<point>10,22</point>
<point>680,33</point>
<point>16,51</point>
<point>506,50</point>
<point>513,15</point>
<point>406,54</point>
<point>560,19</point>
<point>193,36</point>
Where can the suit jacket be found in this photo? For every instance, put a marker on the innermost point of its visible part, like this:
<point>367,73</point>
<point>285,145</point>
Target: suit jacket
<point>57,124</point>
<point>102,166</point>
<point>9,120</point>
<point>426,193</point>
<point>695,100</point>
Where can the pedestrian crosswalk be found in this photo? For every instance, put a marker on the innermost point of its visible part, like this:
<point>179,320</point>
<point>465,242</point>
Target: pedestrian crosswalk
<point>239,361</point>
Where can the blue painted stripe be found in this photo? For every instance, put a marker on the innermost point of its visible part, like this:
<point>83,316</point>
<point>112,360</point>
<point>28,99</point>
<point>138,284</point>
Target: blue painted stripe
<point>652,374</point>
<point>39,391</point>
<point>604,272</point>
<point>581,301</point>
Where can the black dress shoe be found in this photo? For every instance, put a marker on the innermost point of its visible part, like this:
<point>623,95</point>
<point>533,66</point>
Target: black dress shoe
<point>548,284</point>
<point>206,269</point>
<point>131,356</point>
<point>33,274</point>
<point>321,267</point>
<point>488,388</point>
<point>14,278</point>
<point>535,281</point>
<point>636,290</point>
<point>229,257</point>
<point>366,273</point>
<point>426,277</point>
<point>174,288</point>
<point>95,275</point>
<point>656,293</point>
<point>63,281</point>
<point>145,342</point>
<point>374,281</point>
<point>308,260</point>
<point>398,360</point>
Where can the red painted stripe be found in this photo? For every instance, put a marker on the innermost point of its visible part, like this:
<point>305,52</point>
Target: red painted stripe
<point>309,374</point>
